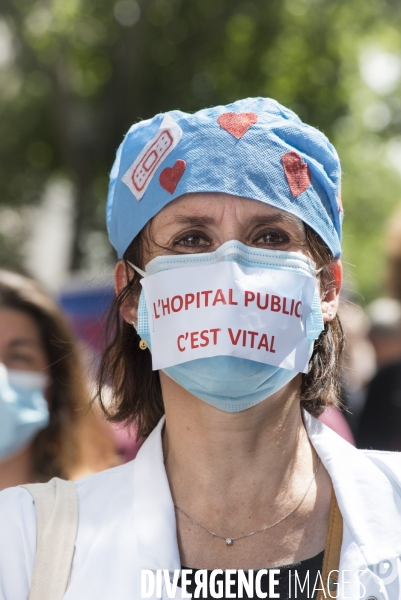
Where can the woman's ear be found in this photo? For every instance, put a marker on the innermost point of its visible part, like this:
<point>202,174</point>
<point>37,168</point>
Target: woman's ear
<point>332,297</point>
<point>129,308</point>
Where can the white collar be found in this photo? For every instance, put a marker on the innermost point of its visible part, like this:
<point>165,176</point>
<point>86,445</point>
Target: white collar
<point>368,502</point>
<point>154,514</point>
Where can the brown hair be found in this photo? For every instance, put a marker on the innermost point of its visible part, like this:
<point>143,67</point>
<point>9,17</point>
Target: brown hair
<point>136,388</point>
<point>74,443</point>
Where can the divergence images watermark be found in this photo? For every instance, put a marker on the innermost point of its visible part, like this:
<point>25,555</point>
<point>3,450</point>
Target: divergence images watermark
<point>233,583</point>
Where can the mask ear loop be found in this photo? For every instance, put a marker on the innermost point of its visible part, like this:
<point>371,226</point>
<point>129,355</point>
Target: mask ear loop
<point>142,344</point>
<point>137,269</point>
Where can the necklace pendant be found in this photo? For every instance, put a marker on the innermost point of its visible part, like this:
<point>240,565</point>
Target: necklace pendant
<point>229,542</point>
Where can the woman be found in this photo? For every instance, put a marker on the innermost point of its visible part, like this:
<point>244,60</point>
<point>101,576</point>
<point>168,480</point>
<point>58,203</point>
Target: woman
<point>45,427</point>
<point>227,225</point>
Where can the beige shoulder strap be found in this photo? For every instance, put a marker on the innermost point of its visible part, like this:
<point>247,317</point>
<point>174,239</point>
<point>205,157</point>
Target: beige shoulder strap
<point>56,505</point>
<point>331,559</point>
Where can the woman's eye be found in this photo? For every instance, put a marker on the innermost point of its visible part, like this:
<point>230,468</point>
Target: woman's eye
<point>193,240</point>
<point>22,360</point>
<point>272,238</point>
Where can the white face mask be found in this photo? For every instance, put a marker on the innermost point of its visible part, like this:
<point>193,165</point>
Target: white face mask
<point>28,380</point>
<point>23,408</point>
<point>257,349</point>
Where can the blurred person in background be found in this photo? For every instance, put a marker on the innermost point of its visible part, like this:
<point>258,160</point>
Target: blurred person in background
<point>380,424</point>
<point>393,256</point>
<point>358,361</point>
<point>46,429</point>
<point>358,366</point>
<point>385,330</point>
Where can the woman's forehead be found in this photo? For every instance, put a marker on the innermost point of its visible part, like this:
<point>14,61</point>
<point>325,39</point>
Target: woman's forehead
<point>15,323</point>
<point>212,208</point>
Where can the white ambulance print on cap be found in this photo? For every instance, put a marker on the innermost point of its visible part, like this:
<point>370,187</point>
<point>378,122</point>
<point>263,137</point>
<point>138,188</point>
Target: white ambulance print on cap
<point>140,173</point>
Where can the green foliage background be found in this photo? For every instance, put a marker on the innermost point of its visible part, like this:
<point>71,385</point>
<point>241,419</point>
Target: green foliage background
<point>82,71</point>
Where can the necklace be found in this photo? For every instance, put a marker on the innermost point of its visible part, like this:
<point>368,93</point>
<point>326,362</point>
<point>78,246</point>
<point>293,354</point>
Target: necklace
<point>229,540</point>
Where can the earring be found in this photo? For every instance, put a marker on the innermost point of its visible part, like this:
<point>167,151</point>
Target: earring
<point>330,315</point>
<point>143,345</point>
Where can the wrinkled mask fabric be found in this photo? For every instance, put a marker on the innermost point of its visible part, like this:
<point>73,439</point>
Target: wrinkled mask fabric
<point>230,383</point>
<point>23,408</point>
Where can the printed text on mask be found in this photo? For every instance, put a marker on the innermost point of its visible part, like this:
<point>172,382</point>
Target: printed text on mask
<point>212,298</point>
<point>228,309</point>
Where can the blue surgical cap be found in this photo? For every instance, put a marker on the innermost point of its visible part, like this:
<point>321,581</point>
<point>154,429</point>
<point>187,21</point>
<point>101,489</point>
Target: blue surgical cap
<point>253,148</point>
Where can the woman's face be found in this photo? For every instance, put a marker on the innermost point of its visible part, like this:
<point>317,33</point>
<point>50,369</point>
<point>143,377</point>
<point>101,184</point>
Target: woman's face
<point>21,346</point>
<point>204,221</point>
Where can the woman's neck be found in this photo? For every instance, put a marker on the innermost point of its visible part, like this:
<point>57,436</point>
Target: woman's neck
<point>233,453</point>
<point>16,470</point>
<point>237,473</point>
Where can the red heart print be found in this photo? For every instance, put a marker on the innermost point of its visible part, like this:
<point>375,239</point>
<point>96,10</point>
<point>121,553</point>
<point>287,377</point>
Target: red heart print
<point>297,173</point>
<point>170,176</point>
<point>237,123</point>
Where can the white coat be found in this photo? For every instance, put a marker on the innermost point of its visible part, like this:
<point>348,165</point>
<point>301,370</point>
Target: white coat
<point>127,523</point>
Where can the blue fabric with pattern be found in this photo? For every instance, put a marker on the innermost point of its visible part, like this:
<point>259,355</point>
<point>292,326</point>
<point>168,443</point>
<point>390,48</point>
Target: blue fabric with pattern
<point>217,161</point>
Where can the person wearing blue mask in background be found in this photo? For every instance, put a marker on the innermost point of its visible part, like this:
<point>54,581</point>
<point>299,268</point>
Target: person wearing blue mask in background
<point>227,226</point>
<point>44,429</point>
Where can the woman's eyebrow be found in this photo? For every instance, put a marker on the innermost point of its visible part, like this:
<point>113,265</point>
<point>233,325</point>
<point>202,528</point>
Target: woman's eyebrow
<point>275,219</point>
<point>188,220</point>
<point>268,219</point>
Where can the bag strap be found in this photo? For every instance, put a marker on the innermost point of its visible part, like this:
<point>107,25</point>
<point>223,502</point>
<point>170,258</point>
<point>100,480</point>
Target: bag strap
<point>56,504</point>
<point>331,558</point>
